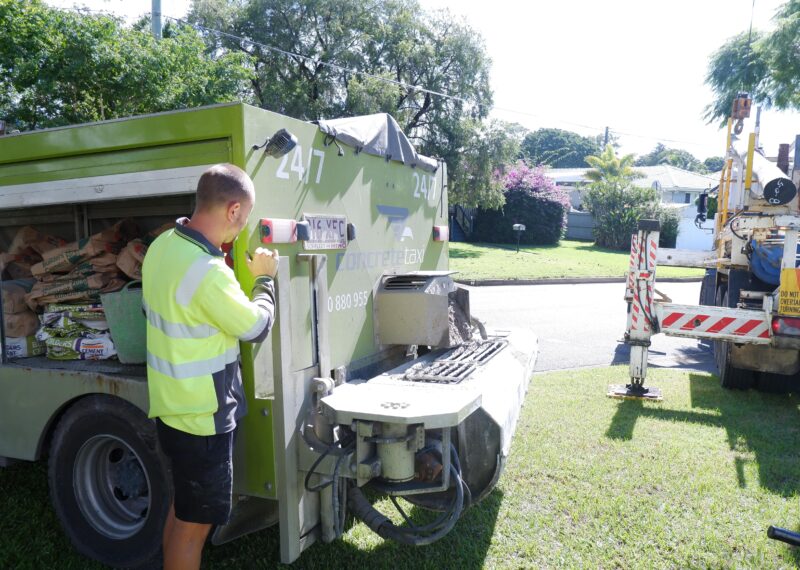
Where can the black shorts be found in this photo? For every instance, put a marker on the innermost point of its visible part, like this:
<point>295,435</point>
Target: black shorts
<point>202,473</point>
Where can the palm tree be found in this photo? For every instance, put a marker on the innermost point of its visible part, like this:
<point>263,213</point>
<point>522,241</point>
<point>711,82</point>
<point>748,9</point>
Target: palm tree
<point>607,166</point>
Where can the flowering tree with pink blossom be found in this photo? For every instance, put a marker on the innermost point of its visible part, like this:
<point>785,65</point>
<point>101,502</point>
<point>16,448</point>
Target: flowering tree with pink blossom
<point>532,199</point>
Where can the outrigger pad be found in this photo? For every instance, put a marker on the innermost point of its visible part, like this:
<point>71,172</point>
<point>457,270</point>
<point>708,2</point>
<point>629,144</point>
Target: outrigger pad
<point>628,392</point>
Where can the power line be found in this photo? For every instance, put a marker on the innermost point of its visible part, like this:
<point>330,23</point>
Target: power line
<point>394,82</point>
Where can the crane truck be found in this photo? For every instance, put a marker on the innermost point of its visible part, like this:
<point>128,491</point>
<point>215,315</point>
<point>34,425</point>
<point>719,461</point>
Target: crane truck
<point>749,305</point>
<point>375,374</point>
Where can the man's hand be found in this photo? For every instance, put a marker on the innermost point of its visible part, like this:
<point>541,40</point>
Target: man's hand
<point>263,262</point>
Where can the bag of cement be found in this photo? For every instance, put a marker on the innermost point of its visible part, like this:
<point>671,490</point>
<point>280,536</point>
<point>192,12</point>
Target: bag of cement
<point>82,313</point>
<point>29,239</point>
<point>18,266</point>
<point>21,324</point>
<point>14,295</point>
<point>64,259</point>
<point>84,289</point>
<point>98,347</point>
<point>120,233</point>
<point>103,263</point>
<point>22,347</point>
<point>130,259</point>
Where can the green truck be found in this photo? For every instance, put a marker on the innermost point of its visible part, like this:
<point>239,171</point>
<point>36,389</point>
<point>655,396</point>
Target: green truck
<point>375,374</point>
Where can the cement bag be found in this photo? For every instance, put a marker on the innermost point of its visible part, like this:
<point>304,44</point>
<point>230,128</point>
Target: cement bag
<point>103,263</point>
<point>18,266</point>
<point>120,233</point>
<point>64,259</point>
<point>21,324</point>
<point>62,291</point>
<point>14,296</point>
<point>21,347</point>
<point>101,347</point>
<point>130,259</point>
<point>29,239</point>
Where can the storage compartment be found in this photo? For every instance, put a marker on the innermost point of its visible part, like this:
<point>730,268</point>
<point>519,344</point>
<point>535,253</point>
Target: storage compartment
<point>64,258</point>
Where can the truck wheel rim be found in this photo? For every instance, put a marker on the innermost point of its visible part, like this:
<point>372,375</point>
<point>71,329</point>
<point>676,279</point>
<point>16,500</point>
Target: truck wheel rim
<point>111,486</point>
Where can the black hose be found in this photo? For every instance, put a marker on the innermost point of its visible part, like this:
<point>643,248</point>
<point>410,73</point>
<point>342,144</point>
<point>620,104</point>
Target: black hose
<point>414,536</point>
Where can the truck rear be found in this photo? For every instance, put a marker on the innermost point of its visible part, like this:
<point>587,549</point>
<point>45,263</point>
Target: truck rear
<point>375,374</point>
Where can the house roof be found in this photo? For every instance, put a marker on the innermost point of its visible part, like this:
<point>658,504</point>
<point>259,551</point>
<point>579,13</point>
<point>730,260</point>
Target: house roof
<point>663,176</point>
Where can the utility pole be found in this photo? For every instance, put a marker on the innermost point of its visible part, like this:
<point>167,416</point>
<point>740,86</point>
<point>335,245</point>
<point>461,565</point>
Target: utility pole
<point>605,141</point>
<point>155,19</point>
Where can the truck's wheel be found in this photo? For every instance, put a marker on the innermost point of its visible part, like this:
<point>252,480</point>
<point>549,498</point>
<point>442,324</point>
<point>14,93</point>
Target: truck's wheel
<point>108,483</point>
<point>729,376</point>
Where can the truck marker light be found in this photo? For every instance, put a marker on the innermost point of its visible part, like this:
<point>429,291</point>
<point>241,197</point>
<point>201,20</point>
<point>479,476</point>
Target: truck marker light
<point>441,233</point>
<point>275,230</point>
<point>786,326</point>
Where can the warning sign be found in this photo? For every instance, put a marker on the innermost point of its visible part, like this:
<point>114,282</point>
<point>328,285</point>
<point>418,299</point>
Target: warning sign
<point>789,300</point>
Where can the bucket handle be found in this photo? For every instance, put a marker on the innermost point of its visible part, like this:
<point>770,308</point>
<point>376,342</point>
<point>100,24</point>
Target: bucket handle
<point>128,285</point>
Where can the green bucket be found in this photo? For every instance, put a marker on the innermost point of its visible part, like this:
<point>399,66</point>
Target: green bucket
<point>127,322</point>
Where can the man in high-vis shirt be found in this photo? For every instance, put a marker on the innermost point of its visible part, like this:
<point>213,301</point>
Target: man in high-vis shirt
<point>196,316</point>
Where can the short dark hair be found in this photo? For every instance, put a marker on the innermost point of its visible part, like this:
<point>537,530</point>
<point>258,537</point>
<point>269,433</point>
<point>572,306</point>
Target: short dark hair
<point>222,184</point>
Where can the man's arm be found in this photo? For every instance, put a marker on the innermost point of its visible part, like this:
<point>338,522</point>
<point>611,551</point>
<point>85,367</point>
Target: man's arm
<point>264,298</point>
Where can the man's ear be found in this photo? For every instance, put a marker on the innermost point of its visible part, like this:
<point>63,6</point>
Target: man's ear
<point>233,211</point>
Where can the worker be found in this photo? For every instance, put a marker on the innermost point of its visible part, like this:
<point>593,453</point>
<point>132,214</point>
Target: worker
<point>196,315</point>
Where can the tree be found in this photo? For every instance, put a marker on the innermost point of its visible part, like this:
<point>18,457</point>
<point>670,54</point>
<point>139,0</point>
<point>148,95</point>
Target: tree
<point>674,157</point>
<point>493,146</point>
<point>714,163</point>
<point>59,68</point>
<point>617,205</point>
<point>607,166</point>
<point>558,148</point>
<point>765,65</point>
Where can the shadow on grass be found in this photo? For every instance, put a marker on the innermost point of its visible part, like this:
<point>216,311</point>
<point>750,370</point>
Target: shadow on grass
<point>589,246</point>
<point>766,425</point>
<point>465,253</point>
<point>466,546</point>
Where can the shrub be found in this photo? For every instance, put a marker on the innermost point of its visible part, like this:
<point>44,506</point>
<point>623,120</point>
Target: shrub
<point>531,199</point>
<point>617,206</point>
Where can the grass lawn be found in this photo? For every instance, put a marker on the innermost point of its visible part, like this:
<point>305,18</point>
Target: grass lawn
<point>693,481</point>
<point>569,259</point>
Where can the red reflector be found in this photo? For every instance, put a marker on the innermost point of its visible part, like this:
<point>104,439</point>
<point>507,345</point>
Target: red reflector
<point>275,230</point>
<point>441,233</point>
<point>789,326</point>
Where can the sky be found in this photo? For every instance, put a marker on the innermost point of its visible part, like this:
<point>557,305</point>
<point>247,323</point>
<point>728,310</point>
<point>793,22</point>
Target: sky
<point>636,66</point>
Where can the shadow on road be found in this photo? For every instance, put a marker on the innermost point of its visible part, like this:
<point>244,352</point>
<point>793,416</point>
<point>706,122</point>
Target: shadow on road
<point>696,357</point>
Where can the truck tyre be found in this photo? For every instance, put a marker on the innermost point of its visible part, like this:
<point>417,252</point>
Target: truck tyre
<point>729,376</point>
<point>108,483</point>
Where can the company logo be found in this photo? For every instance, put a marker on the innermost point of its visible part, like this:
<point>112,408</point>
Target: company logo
<point>397,221</point>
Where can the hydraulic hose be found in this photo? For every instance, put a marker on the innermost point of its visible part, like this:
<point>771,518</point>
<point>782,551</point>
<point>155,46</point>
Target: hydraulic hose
<point>415,536</point>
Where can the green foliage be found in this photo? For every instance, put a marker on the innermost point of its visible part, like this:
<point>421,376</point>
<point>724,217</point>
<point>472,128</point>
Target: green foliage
<point>608,166</point>
<point>478,181</point>
<point>769,68</point>
<point>59,68</point>
<point>669,226</point>
<point>617,207</point>
<point>531,199</point>
<point>714,163</point>
<point>674,157</point>
<point>397,40</point>
<point>557,148</point>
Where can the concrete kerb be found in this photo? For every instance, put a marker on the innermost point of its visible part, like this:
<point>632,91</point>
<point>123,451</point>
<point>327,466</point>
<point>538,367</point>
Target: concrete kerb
<point>566,281</point>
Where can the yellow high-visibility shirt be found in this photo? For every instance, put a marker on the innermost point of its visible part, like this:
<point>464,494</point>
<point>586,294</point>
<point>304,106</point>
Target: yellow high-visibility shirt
<point>196,315</point>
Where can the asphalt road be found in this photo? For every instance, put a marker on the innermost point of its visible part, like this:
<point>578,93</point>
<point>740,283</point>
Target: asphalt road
<point>583,325</point>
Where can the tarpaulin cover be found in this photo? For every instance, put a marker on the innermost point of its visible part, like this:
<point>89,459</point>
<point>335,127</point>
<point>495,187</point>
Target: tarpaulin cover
<point>379,135</point>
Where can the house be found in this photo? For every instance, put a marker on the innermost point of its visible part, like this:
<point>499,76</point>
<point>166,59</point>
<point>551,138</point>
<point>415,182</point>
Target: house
<point>679,188</point>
